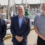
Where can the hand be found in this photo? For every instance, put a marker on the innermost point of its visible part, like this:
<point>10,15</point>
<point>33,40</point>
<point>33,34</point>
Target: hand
<point>19,39</point>
<point>0,39</point>
<point>42,36</point>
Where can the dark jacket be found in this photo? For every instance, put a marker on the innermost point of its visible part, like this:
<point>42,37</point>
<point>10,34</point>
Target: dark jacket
<point>3,26</point>
<point>23,31</point>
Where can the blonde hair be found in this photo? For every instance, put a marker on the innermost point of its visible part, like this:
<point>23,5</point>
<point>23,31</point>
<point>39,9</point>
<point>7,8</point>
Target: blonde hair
<point>20,6</point>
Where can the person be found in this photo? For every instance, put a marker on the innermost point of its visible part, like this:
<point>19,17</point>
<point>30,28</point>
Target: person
<point>14,15</point>
<point>39,26</point>
<point>20,27</point>
<point>3,26</point>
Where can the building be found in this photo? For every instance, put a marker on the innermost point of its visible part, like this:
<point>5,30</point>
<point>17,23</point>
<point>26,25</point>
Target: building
<point>2,9</point>
<point>32,8</point>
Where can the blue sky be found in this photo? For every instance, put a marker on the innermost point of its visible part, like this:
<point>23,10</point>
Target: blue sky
<point>5,2</point>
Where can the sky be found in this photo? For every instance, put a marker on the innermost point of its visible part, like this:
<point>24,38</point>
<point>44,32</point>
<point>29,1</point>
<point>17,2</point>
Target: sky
<point>5,2</point>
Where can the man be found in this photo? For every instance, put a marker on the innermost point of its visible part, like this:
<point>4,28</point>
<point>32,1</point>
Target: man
<point>20,27</point>
<point>39,25</point>
<point>3,27</point>
<point>14,15</point>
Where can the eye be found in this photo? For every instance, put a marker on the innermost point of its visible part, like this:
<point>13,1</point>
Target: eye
<point>19,9</point>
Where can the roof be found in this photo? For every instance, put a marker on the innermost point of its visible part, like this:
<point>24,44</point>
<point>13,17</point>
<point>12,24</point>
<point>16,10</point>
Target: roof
<point>1,7</point>
<point>34,4</point>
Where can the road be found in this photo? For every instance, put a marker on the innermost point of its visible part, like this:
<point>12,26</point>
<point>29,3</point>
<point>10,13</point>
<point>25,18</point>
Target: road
<point>32,39</point>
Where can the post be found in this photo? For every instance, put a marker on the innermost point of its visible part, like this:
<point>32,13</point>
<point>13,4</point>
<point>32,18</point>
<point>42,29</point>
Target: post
<point>8,10</point>
<point>22,2</point>
<point>14,7</point>
<point>26,4</point>
<point>40,2</point>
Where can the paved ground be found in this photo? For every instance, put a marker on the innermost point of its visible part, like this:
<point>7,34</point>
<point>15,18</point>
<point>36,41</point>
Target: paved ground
<point>32,39</point>
<point>8,42</point>
<point>8,32</point>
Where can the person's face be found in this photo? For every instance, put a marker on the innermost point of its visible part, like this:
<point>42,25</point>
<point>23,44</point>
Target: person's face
<point>43,7</point>
<point>20,10</point>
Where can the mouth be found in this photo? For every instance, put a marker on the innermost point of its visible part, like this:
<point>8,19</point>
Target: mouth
<point>43,10</point>
<point>20,12</point>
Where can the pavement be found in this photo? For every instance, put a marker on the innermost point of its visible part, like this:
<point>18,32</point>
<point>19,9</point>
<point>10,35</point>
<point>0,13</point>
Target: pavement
<point>32,39</point>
